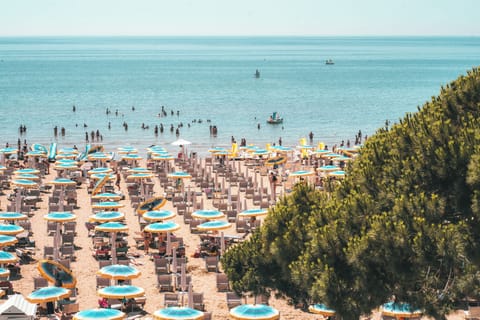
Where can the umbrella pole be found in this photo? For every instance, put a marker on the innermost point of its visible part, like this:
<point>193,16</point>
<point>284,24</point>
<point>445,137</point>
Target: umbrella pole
<point>114,248</point>
<point>18,200</point>
<point>56,244</point>
<point>61,198</point>
<point>222,243</point>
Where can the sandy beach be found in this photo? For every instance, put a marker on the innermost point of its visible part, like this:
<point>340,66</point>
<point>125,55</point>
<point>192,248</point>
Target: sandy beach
<point>85,265</point>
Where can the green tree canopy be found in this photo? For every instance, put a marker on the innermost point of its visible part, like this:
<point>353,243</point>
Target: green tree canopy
<point>404,222</point>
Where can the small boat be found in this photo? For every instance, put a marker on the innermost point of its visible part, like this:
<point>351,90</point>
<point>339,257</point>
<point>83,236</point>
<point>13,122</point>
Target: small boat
<point>329,61</point>
<point>257,74</point>
<point>274,119</point>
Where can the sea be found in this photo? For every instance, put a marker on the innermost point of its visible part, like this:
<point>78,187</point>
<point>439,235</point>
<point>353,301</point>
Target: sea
<point>120,85</point>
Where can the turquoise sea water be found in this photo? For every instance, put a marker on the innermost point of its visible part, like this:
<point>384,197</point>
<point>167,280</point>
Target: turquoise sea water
<point>373,79</point>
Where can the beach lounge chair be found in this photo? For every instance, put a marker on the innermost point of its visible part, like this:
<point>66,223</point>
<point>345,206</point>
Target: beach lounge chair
<point>171,300</point>
<point>198,301</point>
<point>67,252</point>
<point>70,227</point>
<point>102,282</point>
<point>161,265</point>
<point>241,226</point>
<point>207,316</point>
<point>39,282</point>
<point>473,313</point>
<point>211,263</point>
<point>164,282</point>
<point>70,308</point>
<point>51,228</point>
<point>233,300</point>
<point>47,252</point>
<point>65,263</point>
<point>222,282</point>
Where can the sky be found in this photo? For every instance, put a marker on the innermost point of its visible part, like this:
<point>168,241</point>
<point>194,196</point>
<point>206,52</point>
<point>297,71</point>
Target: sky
<point>239,17</point>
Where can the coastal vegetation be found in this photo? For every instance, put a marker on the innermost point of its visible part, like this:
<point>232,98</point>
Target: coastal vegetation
<point>404,223</point>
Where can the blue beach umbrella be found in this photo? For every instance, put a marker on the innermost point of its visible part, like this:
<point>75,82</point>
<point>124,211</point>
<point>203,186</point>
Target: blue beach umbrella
<point>328,168</point>
<point>99,314</point>
<point>107,205</point>
<point>24,183</point>
<point>140,176</point>
<point>48,294</point>
<point>400,309</point>
<point>53,271</point>
<point>131,156</point>
<point>66,156</point>
<point>320,308</point>
<point>119,272</point>
<point>60,216</point>
<point>7,257</point>
<point>98,156</point>
<point>67,150</point>
<point>7,240</point>
<point>179,175</point>
<point>178,313</point>
<point>26,171</point>
<point>107,195</point>
<point>139,170</point>
<point>8,150</point>
<point>253,213</point>
<point>99,176</point>
<point>100,170</point>
<point>4,272</point>
<point>13,216</point>
<point>106,216</point>
<point>27,176</point>
<point>254,312</point>
<point>162,227</point>
<point>337,174</point>
<point>158,215</point>
<point>35,154</point>
<point>112,227</point>
<point>10,229</point>
<point>214,225</point>
<point>208,214</point>
<point>62,182</point>
<point>301,173</point>
<point>121,292</point>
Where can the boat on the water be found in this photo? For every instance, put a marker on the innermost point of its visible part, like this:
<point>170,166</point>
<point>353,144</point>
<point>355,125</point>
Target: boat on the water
<point>257,74</point>
<point>329,61</point>
<point>275,118</point>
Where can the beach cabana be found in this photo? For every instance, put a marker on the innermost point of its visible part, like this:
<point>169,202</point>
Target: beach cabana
<point>254,312</point>
<point>16,307</point>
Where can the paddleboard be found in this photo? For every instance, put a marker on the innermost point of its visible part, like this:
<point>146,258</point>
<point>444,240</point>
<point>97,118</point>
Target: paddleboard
<point>52,153</point>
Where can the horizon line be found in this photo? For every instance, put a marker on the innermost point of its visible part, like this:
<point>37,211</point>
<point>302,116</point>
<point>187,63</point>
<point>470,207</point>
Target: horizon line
<point>236,35</point>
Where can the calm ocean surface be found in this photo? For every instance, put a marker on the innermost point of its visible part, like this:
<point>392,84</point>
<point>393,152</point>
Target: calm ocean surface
<point>373,79</point>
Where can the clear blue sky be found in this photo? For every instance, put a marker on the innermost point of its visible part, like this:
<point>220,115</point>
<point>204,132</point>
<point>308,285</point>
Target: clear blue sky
<point>239,17</point>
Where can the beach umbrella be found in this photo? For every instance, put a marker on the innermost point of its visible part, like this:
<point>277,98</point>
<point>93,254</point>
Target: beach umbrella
<point>328,168</point>
<point>102,181</point>
<point>33,153</point>
<point>48,294</point>
<point>24,183</point>
<point>254,312</point>
<point>337,174</point>
<point>121,292</point>
<point>107,205</point>
<point>131,156</point>
<point>162,157</point>
<point>276,161</point>
<point>151,204</point>
<point>320,308</point>
<point>119,272</point>
<point>208,214</point>
<point>139,170</point>
<point>162,227</point>
<point>140,176</point>
<point>260,152</point>
<point>400,310</point>
<point>253,213</point>
<point>27,171</point>
<point>7,257</point>
<point>10,229</point>
<point>27,176</point>
<point>65,166</point>
<point>179,175</point>
<point>4,273</point>
<point>66,156</point>
<point>67,150</point>
<point>7,240</point>
<point>214,225</point>
<point>12,216</point>
<point>98,156</point>
<point>180,142</point>
<point>3,168</point>
<point>301,173</point>
<point>99,314</point>
<point>127,149</point>
<point>107,196</point>
<point>67,161</point>
<point>106,216</point>
<point>100,176</point>
<point>54,271</point>
<point>113,228</point>
<point>59,218</point>
<point>99,170</point>
<point>158,215</point>
<point>178,313</point>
